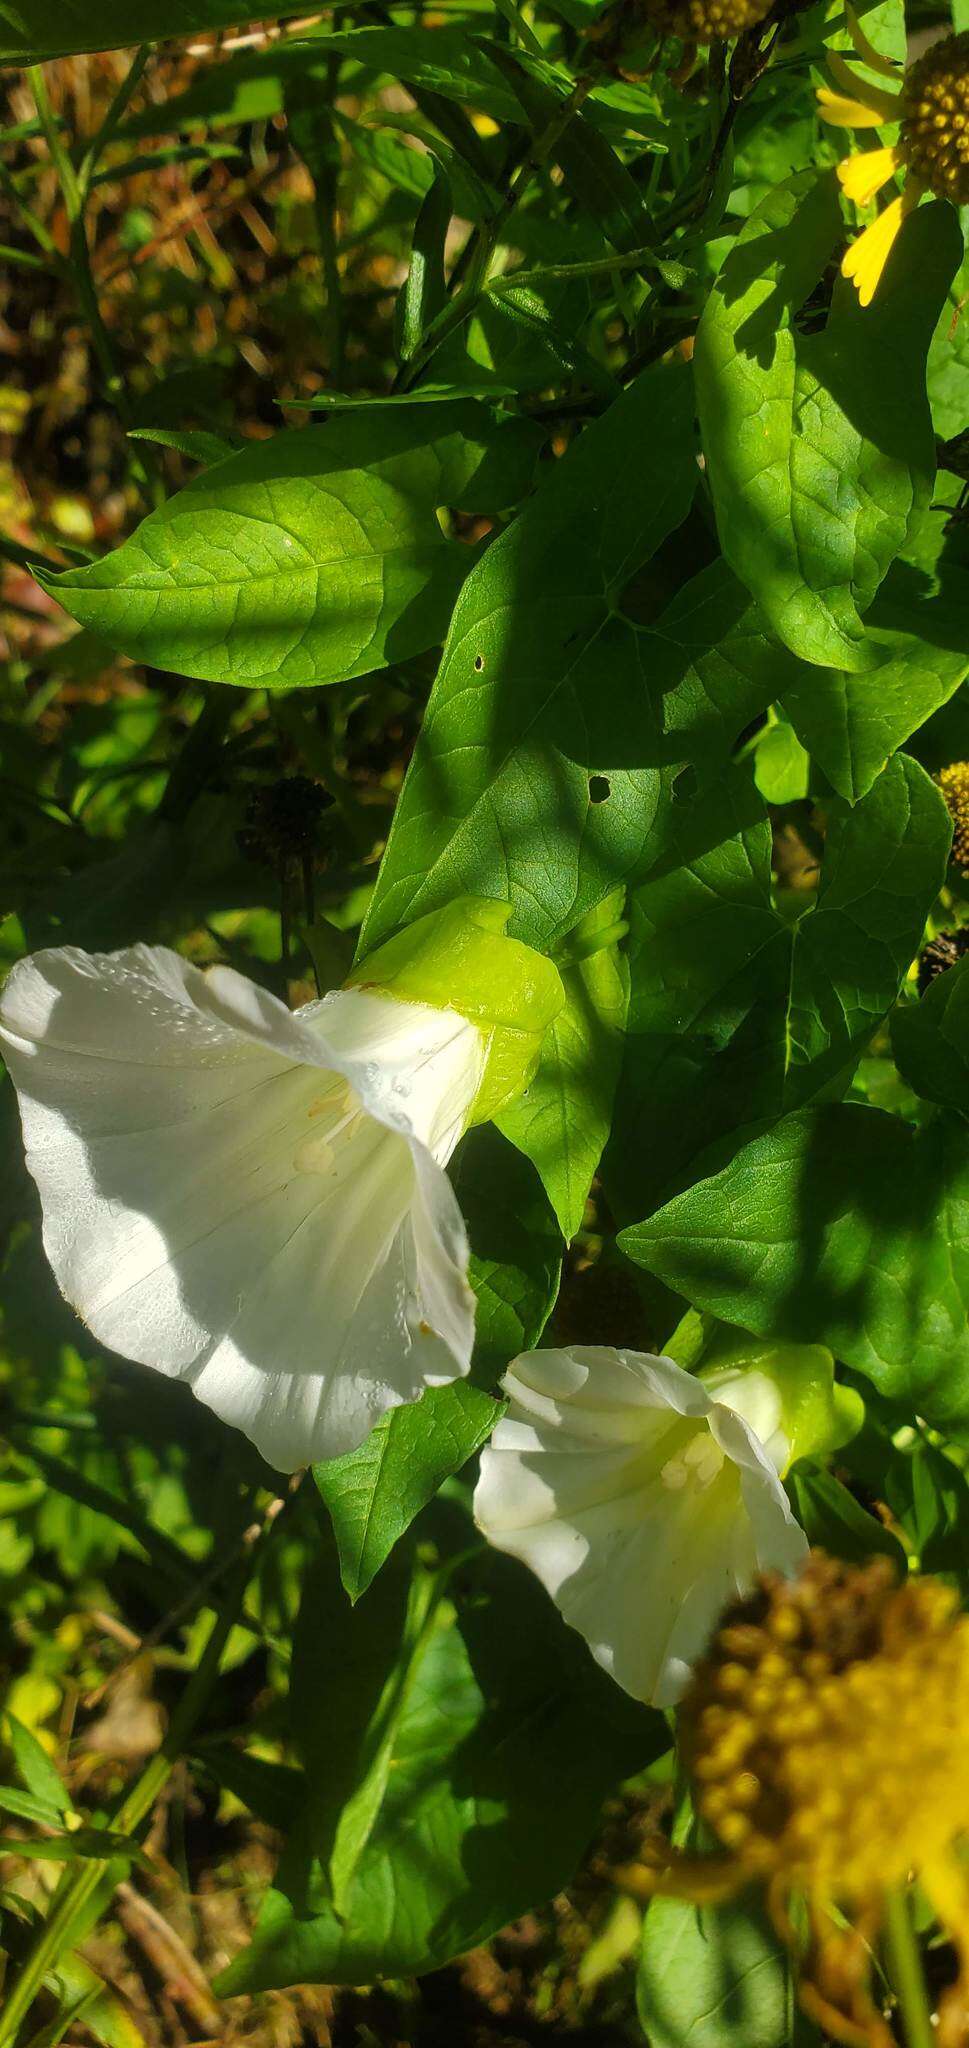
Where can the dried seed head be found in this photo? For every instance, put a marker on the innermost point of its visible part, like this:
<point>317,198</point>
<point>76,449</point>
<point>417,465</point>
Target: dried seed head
<point>940,954</point>
<point>282,820</point>
<point>935,118</point>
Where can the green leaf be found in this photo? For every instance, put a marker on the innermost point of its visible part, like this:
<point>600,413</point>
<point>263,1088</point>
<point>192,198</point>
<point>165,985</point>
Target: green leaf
<point>197,443</point>
<point>483,1811</point>
<point>930,1040</point>
<point>842,1226</point>
<point>449,62</point>
<point>711,665</point>
<point>424,291</point>
<point>311,557</point>
<point>406,169</point>
<point>26,1806</point>
<point>516,1247</point>
<point>273,1791</point>
<point>739,1012</point>
<point>561,1121</point>
<point>84,1844</point>
<point>105,2016</point>
<point>937,1511</point>
<point>244,86</point>
<point>819,444</point>
<point>541,689</point>
<point>948,366</point>
<point>918,632</point>
<point>715,1977</point>
<point>592,170</point>
<point>374,1492</point>
<point>781,766</point>
<point>34,29</point>
<point>34,1766</point>
<point>832,1518</point>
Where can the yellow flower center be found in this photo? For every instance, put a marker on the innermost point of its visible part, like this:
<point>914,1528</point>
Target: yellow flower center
<point>827,1730</point>
<point>935,118</point>
<point>954,784</point>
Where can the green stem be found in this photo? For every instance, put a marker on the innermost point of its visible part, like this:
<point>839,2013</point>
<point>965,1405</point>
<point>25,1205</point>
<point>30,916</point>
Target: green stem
<point>28,558</point>
<point>905,1971</point>
<point>31,221</point>
<point>60,1929</point>
<point>595,266</point>
<point>66,174</point>
<point>73,192</point>
<point>112,120</point>
<point>463,305</point>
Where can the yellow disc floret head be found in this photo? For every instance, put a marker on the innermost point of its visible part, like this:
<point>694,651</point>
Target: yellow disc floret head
<point>935,119</point>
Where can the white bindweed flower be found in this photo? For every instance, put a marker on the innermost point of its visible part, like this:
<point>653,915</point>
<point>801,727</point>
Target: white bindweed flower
<point>641,1502</point>
<point>246,1198</point>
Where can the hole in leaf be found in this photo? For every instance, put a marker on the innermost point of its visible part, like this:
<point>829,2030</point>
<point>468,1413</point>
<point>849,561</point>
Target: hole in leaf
<point>479,662</point>
<point>812,316</point>
<point>598,789</point>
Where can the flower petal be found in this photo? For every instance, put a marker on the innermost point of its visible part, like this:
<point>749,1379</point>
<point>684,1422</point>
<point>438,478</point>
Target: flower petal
<point>862,176</point>
<point>414,1067</point>
<point>885,66</point>
<point>841,112</point>
<point>218,1201</point>
<point>887,105</point>
<point>642,1506</point>
<point>865,260</point>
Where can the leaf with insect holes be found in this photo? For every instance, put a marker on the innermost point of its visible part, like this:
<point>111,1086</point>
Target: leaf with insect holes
<point>539,774</point>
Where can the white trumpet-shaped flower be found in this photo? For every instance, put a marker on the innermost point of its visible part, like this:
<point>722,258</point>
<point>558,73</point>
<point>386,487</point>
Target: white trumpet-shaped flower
<point>642,1502</point>
<point>250,1199</point>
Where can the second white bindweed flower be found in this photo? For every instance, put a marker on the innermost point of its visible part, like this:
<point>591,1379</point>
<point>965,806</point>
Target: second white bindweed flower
<point>643,1501</point>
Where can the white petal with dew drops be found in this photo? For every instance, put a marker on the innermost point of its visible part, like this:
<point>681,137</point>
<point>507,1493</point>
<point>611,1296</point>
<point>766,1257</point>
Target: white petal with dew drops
<point>248,1198</point>
<point>642,1504</point>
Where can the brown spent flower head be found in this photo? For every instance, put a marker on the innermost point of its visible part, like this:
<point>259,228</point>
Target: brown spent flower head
<point>935,118</point>
<point>941,953</point>
<point>827,1734</point>
<point>954,784</point>
<point>282,819</point>
<point>706,21</point>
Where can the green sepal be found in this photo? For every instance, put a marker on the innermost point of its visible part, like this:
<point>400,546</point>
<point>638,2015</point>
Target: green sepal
<point>817,1414</point>
<point>460,958</point>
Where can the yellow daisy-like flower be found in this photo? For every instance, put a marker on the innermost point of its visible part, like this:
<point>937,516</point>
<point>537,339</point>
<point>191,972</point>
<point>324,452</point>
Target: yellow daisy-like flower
<point>827,1733</point>
<point>930,103</point>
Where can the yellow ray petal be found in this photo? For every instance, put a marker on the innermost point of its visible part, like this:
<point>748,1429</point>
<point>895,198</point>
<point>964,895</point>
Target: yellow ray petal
<point>845,113</point>
<point>887,105</point>
<point>863,175</point>
<point>866,50</point>
<point>866,259</point>
<point>945,1882</point>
